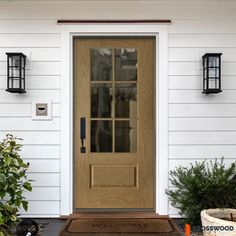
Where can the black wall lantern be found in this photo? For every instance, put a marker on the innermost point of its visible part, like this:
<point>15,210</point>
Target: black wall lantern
<point>16,72</point>
<point>212,73</point>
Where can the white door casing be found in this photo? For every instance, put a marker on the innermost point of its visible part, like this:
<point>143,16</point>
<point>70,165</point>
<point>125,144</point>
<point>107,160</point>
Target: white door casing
<point>161,152</point>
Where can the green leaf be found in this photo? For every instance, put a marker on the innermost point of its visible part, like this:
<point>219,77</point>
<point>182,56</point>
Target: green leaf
<point>27,186</point>
<point>17,202</point>
<point>1,233</point>
<point>2,178</point>
<point>13,218</point>
<point>7,160</point>
<point>12,143</point>
<point>25,205</point>
<point>1,221</point>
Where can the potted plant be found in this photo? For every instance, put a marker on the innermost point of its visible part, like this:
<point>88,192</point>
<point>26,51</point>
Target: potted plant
<point>202,186</point>
<point>13,183</point>
<point>219,222</point>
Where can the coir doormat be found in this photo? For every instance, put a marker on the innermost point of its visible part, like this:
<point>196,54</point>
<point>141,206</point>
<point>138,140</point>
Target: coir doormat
<point>120,226</point>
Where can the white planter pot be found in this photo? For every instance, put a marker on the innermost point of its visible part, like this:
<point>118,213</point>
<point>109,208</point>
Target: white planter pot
<point>213,225</point>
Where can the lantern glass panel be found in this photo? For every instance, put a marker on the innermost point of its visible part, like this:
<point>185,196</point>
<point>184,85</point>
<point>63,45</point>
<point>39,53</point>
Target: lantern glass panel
<point>205,73</point>
<point>217,73</point>
<point>213,84</point>
<point>212,72</point>
<point>22,73</point>
<point>22,62</point>
<point>16,61</point>
<point>16,83</point>
<point>214,62</point>
<point>205,83</point>
<point>15,72</point>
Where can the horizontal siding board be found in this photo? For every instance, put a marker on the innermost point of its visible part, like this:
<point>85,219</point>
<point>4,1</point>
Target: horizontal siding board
<point>44,179</point>
<point>191,152</point>
<point>195,82</point>
<point>114,10</point>
<point>29,40</point>
<point>12,123</point>
<point>42,208</point>
<point>32,152</point>
<point>186,82</point>
<point>36,69</point>
<point>33,54</point>
<point>203,26</point>
<point>202,124</point>
<point>29,26</point>
<point>35,137</point>
<point>195,54</point>
<point>195,68</point>
<point>202,40</point>
<point>205,3</point>
<point>43,82</point>
<point>202,138</point>
<point>43,194</point>
<point>196,96</point>
<point>6,97</point>
<point>36,82</point>
<point>24,110</point>
<point>202,110</point>
<point>48,166</point>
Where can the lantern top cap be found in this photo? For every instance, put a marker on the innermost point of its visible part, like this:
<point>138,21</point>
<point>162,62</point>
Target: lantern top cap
<point>16,54</point>
<point>211,54</point>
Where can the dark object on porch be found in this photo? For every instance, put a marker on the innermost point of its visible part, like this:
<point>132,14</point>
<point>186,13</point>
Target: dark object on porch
<point>120,224</point>
<point>27,226</point>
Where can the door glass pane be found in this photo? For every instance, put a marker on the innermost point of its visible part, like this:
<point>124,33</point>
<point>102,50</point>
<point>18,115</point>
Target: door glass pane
<point>101,136</point>
<point>126,136</point>
<point>126,64</point>
<point>101,100</point>
<point>126,101</point>
<point>101,64</point>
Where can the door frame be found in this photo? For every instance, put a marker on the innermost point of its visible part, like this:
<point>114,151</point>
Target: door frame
<point>160,32</point>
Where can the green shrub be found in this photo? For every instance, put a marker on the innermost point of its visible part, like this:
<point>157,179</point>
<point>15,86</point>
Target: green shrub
<point>13,182</point>
<point>202,186</point>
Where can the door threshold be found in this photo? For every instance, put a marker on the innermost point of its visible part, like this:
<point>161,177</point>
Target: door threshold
<point>114,210</point>
<point>114,214</point>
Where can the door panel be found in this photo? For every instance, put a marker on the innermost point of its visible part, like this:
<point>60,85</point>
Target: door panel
<point>114,92</point>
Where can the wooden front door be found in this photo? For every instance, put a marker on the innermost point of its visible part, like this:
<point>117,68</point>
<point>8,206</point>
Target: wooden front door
<point>114,123</point>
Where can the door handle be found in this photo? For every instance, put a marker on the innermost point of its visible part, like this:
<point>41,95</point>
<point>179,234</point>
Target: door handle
<point>82,134</point>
